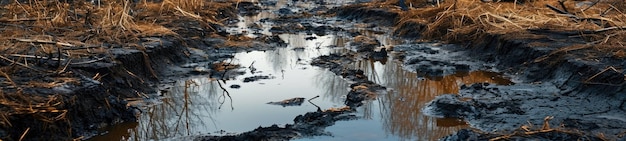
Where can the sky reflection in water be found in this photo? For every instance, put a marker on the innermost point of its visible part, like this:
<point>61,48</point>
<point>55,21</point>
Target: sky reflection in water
<point>199,106</point>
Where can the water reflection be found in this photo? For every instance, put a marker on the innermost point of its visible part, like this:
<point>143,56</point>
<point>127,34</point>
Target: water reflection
<point>198,106</point>
<point>251,27</point>
<point>400,110</point>
<point>185,110</point>
<point>335,89</point>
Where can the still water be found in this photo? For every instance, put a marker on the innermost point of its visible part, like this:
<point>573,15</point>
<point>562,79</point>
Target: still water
<point>202,106</point>
<point>199,106</point>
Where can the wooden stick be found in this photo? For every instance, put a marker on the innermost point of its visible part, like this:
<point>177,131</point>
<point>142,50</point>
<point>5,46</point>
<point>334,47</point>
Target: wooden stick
<point>24,134</point>
<point>23,65</point>
<point>8,78</point>
<point>557,10</point>
<point>44,42</point>
<point>33,56</point>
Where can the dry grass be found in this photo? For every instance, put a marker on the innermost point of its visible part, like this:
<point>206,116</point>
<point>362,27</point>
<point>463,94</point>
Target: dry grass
<point>84,24</point>
<point>61,31</point>
<point>465,20</point>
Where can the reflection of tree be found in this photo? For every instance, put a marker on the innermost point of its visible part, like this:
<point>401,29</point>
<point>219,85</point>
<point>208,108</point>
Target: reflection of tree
<point>186,109</point>
<point>401,109</point>
<point>335,86</point>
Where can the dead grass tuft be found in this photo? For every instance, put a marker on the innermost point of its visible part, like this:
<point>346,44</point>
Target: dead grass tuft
<point>40,39</point>
<point>465,20</point>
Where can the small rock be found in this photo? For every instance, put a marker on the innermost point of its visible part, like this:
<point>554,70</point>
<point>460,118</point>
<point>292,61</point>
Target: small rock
<point>235,86</point>
<point>289,102</point>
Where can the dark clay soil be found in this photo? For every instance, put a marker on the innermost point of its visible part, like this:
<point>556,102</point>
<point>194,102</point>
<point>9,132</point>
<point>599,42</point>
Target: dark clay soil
<point>582,90</point>
<point>92,94</point>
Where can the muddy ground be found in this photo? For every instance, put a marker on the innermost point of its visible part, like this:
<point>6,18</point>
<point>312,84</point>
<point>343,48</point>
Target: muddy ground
<point>91,93</point>
<point>556,96</point>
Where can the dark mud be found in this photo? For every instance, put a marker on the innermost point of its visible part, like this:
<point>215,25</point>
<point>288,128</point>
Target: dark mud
<point>309,124</point>
<point>256,78</point>
<point>89,95</point>
<point>92,93</point>
<point>289,102</point>
<point>581,88</point>
<point>435,60</point>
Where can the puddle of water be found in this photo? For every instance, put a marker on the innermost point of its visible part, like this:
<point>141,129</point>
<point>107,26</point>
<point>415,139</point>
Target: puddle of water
<point>397,115</point>
<point>201,106</point>
<point>252,27</point>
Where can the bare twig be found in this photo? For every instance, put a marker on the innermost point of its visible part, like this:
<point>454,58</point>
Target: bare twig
<point>224,95</point>
<point>557,10</point>
<point>24,134</point>
<point>9,79</point>
<point>601,72</point>
<point>318,107</point>
<point>87,62</point>
<point>44,42</point>
<point>546,123</point>
<point>23,65</point>
<point>33,56</point>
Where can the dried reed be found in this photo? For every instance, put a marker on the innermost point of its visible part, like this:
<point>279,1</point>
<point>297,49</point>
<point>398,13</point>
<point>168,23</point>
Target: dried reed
<point>462,20</point>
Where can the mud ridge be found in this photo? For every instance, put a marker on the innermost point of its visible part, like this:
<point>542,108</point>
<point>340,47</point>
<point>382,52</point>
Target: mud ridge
<point>362,13</point>
<point>92,93</point>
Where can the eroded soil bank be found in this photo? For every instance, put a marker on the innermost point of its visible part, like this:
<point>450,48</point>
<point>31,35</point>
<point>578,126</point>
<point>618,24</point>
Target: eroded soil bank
<point>557,95</point>
<point>80,87</point>
<point>560,93</point>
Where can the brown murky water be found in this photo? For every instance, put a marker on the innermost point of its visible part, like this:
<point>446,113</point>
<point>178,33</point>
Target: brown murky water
<point>201,106</point>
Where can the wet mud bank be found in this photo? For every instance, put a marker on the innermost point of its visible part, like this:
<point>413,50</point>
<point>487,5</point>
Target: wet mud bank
<point>88,95</point>
<point>386,16</point>
<point>94,95</point>
<point>561,91</point>
<point>61,98</point>
<point>583,98</point>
